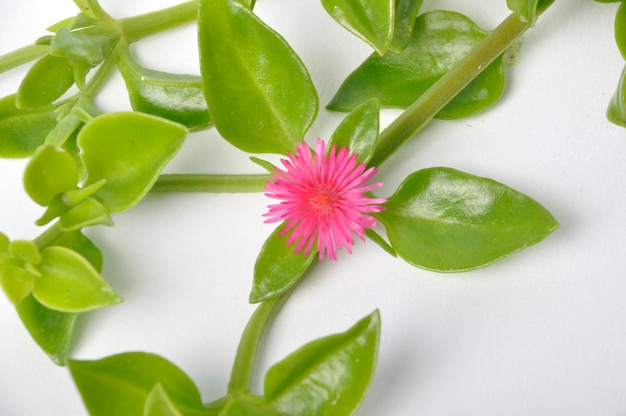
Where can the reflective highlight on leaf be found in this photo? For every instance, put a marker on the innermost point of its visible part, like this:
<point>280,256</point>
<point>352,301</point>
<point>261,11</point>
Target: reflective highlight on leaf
<point>121,384</point>
<point>405,14</point>
<point>445,220</point>
<point>176,97</point>
<point>277,268</point>
<point>328,376</point>
<point>370,20</point>
<point>359,131</point>
<point>440,40</point>
<point>259,93</point>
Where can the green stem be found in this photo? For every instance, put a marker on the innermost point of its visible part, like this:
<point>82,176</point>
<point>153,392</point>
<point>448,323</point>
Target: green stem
<point>241,374</point>
<point>447,87</point>
<point>47,237</point>
<point>138,27</point>
<point>210,183</point>
<point>21,56</point>
<point>102,74</point>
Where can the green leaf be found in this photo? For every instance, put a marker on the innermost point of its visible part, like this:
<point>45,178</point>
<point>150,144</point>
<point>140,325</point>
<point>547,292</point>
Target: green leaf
<point>128,150</point>
<point>92,49</point>
<point>405,14</point>
<point>278,267</point>
<point>121,384</point>
<point>620,28</point>
<point>4,244</point>
<point>16,282</point>
<point>328,376</point>
<point>52,330</point>
<point>440,40</point>
<point>616,112</point>
<point>526,8</point>
<point>370,20</point>
<point>445,220</point>
<point>158,403</point>
<point>259,93</point>
<point>89,212</point>
<point>23,131</point>
<point>247,405</point>
<point>48,79</point>
<point>69,283</point>
<point>50,172</point>
<point>179,98</point>
<point>25,251</point>
<point>359,131</point>
<point>76,241</point>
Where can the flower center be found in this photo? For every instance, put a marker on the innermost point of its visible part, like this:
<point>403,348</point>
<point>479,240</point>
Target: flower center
<point>323,199</point>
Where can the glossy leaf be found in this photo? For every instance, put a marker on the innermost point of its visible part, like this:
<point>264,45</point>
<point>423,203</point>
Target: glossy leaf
<point>48,79</point>
<point>158,403</point>
<point>616,112</point>
<point>359,131</point>
<point>89,212</point>
<point>52,330</point>
<point>370,20</point>
<point>69,283</point>
<point>23,131</point>
<point>328,376</point>
<point>128,150</point>
<point>526,8</point>
<point>50,172</point>
<point>16,282</point>
<point>405,14</point>
<point>247,405</point>
<point>620,28</point>
<point>440,40</point>
<point>445,220</point>
<point>278,267</point>
<point>121,384</point>
<point>179,98</point>
<point>90,48</point>
<point>258,91</point>
<point>25,250</point>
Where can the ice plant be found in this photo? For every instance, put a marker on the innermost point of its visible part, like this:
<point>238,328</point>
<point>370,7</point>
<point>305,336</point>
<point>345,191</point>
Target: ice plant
<point>323,199</point>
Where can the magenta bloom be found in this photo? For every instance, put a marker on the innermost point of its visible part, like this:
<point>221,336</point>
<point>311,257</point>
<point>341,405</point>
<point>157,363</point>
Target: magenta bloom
<point>323,199</point>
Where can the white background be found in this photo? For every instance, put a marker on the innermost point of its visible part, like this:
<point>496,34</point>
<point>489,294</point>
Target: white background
<point>542,332</point>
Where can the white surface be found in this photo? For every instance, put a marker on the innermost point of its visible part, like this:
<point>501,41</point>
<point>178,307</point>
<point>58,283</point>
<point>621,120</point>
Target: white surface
<point>540,333</point>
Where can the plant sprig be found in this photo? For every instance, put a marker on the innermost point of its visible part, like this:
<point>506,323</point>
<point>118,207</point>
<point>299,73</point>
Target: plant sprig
<point>252,87</point>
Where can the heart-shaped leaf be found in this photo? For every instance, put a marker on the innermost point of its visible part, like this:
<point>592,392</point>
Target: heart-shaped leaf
<point>328,376</point>
<point>69,283</point>
<point>259,92</point>
<point>128,150</point>
<point>445,220</point>
<point>50,172</point>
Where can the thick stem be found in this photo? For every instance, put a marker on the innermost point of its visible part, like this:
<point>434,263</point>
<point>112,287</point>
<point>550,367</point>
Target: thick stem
<point>210,183</point>
<point>447,87</point>
<point>241,374</point>
<point>138,27</point>
<point>21,56</point>
<point>47,237</point>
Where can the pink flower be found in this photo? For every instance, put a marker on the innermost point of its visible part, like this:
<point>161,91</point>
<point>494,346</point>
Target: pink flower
<point>323,199</point>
